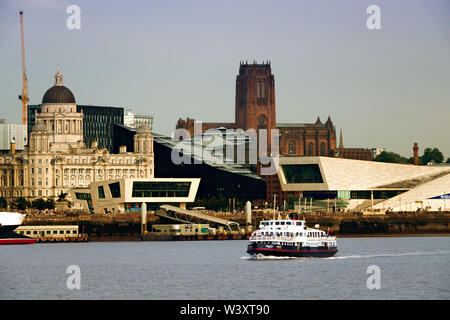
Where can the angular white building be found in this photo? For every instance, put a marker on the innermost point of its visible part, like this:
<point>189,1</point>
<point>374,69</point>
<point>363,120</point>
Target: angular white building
<point>127,195</point>
<point>367,184</point>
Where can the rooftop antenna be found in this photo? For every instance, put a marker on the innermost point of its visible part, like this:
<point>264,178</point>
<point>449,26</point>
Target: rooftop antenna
<point>24,96</point>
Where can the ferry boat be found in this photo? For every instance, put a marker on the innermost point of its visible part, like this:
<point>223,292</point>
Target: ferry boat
<point>9,221</point>
<point>291,238</point>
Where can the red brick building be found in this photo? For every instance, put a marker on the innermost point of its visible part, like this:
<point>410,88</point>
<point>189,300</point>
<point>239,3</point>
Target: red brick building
<point>255,108</point>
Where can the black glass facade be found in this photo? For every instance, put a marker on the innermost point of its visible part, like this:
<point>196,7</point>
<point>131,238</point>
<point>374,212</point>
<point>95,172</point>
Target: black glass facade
<point>214,180</point>
<point>98,124</point>
<point>302,173</point>
<point>32,109</point>
<point>160,189</point>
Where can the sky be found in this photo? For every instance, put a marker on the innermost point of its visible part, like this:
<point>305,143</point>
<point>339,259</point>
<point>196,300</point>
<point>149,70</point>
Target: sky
<point>385,88</point>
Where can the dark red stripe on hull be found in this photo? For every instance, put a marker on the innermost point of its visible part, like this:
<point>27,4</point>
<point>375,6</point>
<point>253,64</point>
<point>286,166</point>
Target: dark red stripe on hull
<point>313,253</point>
<point>17,241</point>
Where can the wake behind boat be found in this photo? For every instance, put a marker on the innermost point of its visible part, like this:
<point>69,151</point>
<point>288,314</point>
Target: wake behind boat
<point>9,221</point>
<point>291,238</point>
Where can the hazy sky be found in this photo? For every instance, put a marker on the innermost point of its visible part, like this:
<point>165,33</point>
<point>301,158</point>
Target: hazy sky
<point>385,88</point>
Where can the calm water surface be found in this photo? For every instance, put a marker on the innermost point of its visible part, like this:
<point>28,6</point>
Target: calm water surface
<point>411,268</point>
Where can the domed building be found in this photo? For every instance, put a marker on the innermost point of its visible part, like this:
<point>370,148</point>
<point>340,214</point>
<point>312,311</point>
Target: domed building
<point>57,159</point>
<point>59,115</point>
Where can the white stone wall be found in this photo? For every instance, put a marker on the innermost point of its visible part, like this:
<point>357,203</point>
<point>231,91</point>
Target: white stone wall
<point>418,198</point>
<point>347,174</point>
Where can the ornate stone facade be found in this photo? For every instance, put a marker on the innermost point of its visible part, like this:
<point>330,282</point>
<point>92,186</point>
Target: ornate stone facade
<point>57,159</point>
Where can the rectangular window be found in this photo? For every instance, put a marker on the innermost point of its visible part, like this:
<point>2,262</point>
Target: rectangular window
<point>101,192</point>
<point>160,189</point>
<point>302,173</point>
<point>115,189</point>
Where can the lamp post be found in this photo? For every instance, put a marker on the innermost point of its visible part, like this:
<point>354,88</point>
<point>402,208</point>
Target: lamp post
<point>274,203</point>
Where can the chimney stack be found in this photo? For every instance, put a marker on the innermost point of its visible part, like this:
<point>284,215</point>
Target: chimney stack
<point>416,154</point>
<point>13,145</point>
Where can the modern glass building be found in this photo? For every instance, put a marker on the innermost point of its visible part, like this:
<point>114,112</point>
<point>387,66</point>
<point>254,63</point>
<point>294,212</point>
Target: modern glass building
<point>217,178</point>
<point>98,123</point>
<point>128,194</point>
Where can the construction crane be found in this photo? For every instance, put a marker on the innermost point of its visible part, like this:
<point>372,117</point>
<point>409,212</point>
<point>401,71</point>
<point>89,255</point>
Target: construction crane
<point>24,96</point>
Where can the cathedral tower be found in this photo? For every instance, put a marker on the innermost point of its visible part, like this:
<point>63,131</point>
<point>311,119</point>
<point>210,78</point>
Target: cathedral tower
<point>255,97</point>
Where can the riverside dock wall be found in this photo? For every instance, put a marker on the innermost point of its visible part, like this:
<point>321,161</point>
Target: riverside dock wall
<point>126,227</point>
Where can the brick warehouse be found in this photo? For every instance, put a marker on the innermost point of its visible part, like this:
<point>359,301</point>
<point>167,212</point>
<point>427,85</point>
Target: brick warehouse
<point>255,108</point>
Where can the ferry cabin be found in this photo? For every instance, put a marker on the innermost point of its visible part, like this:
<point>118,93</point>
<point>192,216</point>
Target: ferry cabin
<point>292,232</point>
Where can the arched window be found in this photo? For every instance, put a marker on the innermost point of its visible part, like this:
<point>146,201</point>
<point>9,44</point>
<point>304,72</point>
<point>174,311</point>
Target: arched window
<point>322,149</point>
<point>310,149</point>
<point>292,148</point>
<point>260,88</point>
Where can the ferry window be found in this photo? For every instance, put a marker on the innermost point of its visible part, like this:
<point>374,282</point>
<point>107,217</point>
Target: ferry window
<point>35,232</point>
<point>282,223</point>
<point>28,232</point>
<point>48,232</point>
<point>55,232</point>
<point>277,223</point>
<point>61,231</point>
<point>288,223</point>
<point>299,223</point>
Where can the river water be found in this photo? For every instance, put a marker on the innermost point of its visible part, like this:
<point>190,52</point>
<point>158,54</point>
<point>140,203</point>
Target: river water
<point>404,268</point>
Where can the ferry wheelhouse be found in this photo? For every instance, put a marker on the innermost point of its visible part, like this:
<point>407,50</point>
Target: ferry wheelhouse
<point>291,238</point>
